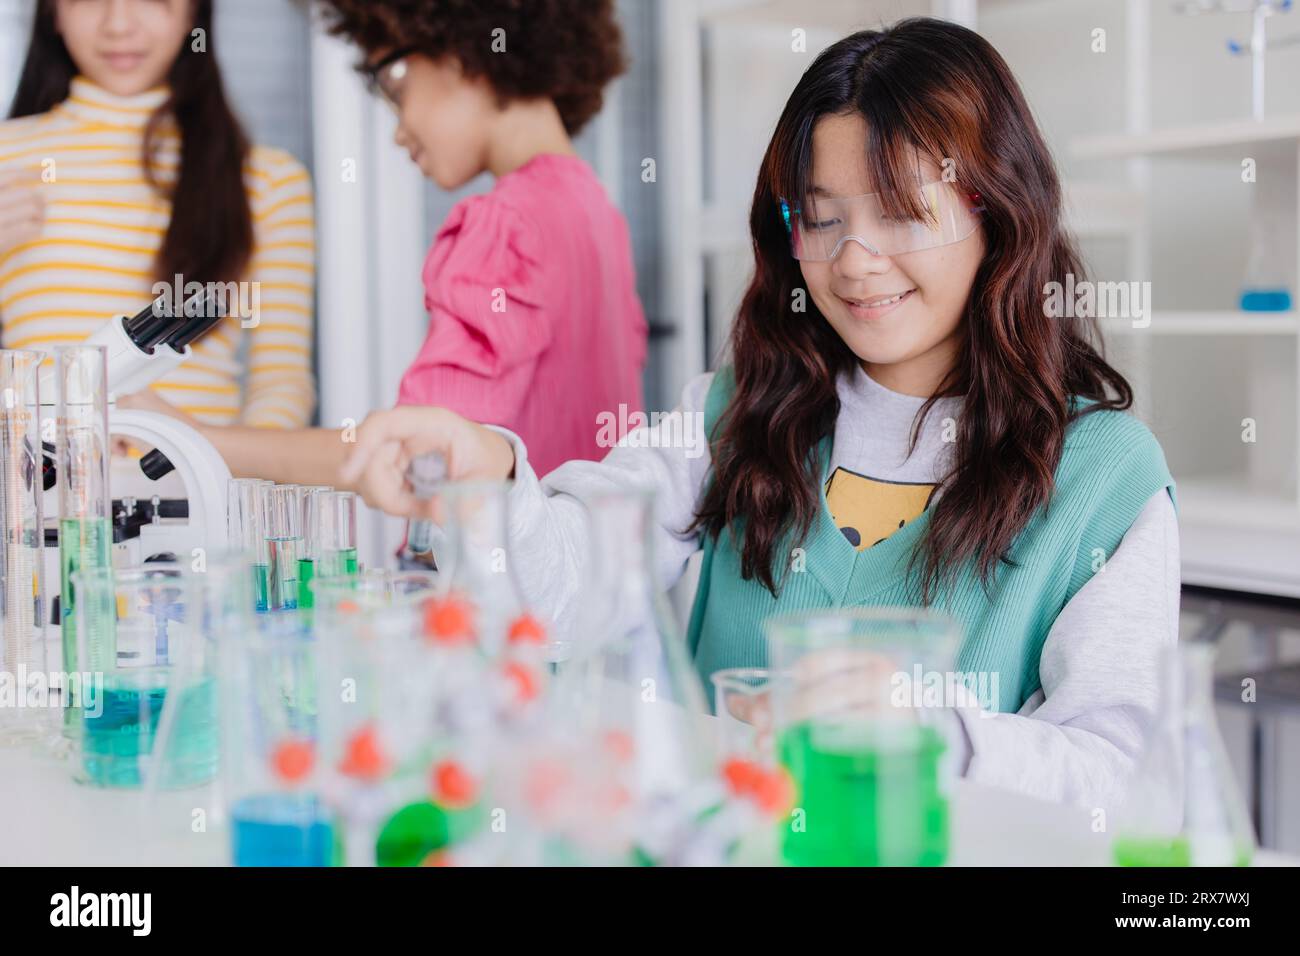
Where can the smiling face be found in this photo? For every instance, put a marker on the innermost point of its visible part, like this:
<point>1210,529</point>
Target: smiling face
<point>126,47</point>
<point>900,315</point>
<point>443,117</point>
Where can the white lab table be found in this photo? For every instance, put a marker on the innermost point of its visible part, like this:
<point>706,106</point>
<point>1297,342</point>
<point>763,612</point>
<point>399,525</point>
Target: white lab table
<point>51,821</point>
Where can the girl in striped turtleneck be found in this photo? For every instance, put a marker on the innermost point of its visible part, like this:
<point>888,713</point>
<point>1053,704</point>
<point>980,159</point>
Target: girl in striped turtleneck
<point>121,168</point>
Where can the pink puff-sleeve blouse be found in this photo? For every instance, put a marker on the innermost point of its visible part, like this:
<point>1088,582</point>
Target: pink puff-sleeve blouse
<point>534,321</point>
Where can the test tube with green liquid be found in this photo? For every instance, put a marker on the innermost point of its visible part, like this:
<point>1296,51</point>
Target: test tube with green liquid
<point>338,535</point>
<point>282,521</point>
<point>245,532</point>
<point>312,496</point>
<point>85,508</point>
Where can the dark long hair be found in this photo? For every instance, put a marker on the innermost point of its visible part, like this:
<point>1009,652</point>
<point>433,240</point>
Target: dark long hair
<point>939,90</point>
<point>210,236</point>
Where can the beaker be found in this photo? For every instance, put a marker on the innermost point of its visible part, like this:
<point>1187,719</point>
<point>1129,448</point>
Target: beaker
<point>282,525</point>
<point>743,706</point>
<point>270,767</point>
<point>22,561</point>
<point>85,508</point>
<point>404,771</point>
<point>1182,807</point>
<point>857,727</point>
<point>142,650</point>
<point>474,567</point>
<point>629,686</point>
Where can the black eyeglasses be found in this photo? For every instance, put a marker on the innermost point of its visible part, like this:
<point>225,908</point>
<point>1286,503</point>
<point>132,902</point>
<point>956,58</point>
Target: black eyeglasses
<point>384,77</point>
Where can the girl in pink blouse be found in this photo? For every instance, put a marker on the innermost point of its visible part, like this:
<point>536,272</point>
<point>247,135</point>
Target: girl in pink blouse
<point>534,322</point>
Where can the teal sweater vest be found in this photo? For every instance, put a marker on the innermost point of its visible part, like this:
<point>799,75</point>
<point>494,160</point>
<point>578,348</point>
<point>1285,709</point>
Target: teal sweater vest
<point>1110,467</point>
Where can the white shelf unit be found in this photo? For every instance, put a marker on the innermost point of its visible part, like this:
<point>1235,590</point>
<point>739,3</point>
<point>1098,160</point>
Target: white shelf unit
<point>1240,530</point>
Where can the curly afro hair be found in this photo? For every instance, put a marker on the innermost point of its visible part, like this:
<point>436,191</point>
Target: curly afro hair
<point>565,50</point>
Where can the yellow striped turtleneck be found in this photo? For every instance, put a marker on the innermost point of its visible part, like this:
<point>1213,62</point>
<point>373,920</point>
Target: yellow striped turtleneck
<point>95,255</point>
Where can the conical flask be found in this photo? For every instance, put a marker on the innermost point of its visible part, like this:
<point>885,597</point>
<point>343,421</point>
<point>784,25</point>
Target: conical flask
<point>1183,807</point>
<point>479,592</point>
<point>631,692</point>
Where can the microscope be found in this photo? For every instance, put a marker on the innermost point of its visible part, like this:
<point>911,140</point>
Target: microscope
<point>168,504</point>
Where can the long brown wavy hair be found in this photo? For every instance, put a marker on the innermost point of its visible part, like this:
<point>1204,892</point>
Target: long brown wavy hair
<point>935,89</point>
<point>210,235</point>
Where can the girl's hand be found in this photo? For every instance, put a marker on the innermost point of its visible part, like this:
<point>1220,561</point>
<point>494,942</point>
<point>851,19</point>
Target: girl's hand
<point>388,441</point>
<point>22,210</point>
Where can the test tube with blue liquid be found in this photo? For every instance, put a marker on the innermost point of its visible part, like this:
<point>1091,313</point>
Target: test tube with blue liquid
<point>245,532</point>
<point>282,521</point>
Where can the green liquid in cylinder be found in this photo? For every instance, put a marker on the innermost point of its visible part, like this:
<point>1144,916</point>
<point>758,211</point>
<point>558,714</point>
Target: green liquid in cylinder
<point>84,543</point>
<point>338,563</point>
<point>306,571</point>
<point>863,798</point>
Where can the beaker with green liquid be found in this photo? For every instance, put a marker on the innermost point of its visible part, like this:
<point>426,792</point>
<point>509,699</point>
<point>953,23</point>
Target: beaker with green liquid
<point>145,662</point>
<point>85,507</point>
<point>863,748</point>
<point>22,538</point>
<point>1182,806</point>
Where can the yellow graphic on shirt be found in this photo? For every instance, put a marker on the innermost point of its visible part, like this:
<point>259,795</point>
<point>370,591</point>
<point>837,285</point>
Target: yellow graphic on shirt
<point>869,510</point>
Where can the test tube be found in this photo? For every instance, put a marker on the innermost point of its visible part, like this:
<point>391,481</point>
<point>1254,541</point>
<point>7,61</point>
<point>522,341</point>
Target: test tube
<point>282,524</point>
<point>425,473</point>
<point>85,508</point>
<point>22,596</point>
<point>312,496</point>
<point>245,533</point>
<point>338,534</point>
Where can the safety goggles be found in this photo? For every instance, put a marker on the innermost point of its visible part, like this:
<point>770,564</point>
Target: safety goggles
<point>384,78</point>
<point>820,225</point>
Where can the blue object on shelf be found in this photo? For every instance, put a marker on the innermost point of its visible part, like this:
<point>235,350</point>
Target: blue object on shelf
<point>1266,300</point>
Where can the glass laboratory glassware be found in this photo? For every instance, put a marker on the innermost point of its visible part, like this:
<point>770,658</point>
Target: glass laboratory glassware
<point>245,533</point>
<point>1183,807</point>
<point>742,704</point>
<point>270,726</point>
<point>630,688</point>
<point>337,534</point>
<point>85,507</point>
<point>281,507</point>
<point>862,745</point>
<point>142,649</point>
<point>22,561</point>
<point>309,555</point>
<point>477,576</point>
<point>425,475</point>
<point>405,766</point>
<point>1267,284</point>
